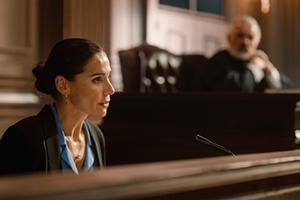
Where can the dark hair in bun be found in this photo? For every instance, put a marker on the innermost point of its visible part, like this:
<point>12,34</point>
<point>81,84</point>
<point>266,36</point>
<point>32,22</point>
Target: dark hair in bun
<point>67,58</point>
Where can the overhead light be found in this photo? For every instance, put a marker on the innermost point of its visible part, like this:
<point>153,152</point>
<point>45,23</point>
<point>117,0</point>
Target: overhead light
<point>265,6</point>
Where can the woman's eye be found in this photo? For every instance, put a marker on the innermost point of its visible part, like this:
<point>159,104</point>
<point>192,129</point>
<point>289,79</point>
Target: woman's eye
<point>96,80</point>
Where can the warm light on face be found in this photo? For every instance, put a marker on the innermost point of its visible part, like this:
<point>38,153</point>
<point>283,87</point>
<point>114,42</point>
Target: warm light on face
<point>91,90</point>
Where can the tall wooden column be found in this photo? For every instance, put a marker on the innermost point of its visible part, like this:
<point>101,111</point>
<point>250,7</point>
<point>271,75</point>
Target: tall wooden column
<point>87,19</point>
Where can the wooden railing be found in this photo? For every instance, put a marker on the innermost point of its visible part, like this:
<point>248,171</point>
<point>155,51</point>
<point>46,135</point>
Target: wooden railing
<point>259,176</point>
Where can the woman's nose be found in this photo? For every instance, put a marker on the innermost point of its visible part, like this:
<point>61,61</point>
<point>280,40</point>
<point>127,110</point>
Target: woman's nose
<point>109,90</point>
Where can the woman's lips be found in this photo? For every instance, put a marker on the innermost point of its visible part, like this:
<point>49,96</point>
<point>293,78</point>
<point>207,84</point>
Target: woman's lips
<point>105,104</point>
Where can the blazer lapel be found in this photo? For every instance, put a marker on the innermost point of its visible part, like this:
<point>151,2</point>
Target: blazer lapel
<point>54,161</point>
<point>53,158</point>
<point>95,141</point>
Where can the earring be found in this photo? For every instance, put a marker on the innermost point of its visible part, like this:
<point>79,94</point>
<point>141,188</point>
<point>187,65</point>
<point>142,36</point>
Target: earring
<point>66,99</point>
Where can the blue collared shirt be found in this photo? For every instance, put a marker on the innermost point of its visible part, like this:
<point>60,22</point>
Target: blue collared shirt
<point>67,161</point>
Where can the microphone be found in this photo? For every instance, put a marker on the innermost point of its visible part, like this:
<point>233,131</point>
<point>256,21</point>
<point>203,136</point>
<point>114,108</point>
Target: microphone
<point>207,141</point>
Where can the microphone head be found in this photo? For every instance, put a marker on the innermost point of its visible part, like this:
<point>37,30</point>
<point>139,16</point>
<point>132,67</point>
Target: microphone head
<point>207,141</point>
<point>202,139</point>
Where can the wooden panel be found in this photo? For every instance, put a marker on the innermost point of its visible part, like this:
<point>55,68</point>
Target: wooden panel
<point>50,25</point>
<point>260,176</point>
<point>288,31</point>
<point>16,106</point>
<point>87,19</point>
<point>157,127</point>
<point>211,43</point>
<point>177,40</point>
<point>18,54</point>
<point>18,44</point>
<point>190,27</point>
<point>18,21</point>
<point>14,30</point>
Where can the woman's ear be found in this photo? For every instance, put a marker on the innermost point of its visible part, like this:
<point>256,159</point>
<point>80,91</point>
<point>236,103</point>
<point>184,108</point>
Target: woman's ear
<point>62,85</point>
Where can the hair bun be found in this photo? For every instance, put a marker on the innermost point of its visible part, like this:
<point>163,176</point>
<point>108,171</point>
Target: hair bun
<point>41,78</point>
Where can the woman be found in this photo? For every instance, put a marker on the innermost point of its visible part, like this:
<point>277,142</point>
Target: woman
<point>76,74</point>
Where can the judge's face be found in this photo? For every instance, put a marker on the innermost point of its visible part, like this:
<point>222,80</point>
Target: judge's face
<point>243,40</point>
<point>90,91</point>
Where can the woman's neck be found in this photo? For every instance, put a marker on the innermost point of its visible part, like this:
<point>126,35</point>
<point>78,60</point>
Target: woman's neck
<point>71,120</point>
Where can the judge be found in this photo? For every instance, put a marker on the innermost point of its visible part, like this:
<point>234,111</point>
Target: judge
<point>243,67</point>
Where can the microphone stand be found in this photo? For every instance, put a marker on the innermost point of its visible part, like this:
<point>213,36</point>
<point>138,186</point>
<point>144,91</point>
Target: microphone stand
<point>207,141</point>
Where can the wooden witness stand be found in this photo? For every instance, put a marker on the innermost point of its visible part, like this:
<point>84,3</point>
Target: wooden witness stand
<point>159,127</point>
<point>259,176</point>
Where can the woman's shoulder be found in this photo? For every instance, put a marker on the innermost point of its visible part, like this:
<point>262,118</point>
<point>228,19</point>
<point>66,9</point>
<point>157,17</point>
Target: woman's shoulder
<point>28,125</point>
<point>24,126</point>
<point>26,121</point>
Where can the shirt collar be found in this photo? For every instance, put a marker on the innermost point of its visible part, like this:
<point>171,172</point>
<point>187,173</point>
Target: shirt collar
<point>89,160</point>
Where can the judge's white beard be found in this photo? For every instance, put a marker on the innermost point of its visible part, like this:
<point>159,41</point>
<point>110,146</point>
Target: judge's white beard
<point>241,55</point>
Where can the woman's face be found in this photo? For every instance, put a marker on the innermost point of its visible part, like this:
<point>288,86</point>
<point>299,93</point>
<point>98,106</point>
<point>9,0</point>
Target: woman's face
<point>90,91</point>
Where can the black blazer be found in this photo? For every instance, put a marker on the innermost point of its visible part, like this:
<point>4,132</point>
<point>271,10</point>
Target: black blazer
<point>32,145</point>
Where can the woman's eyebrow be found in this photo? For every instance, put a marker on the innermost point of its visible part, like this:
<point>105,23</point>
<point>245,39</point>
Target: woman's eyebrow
<point>97,74</point>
